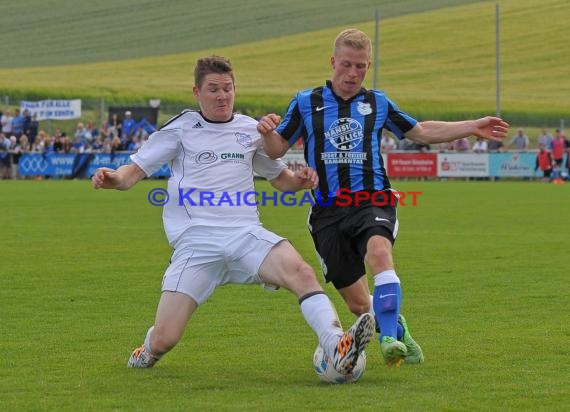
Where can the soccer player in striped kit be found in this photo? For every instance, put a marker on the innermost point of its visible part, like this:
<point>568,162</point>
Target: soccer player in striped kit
<point>341,125</point>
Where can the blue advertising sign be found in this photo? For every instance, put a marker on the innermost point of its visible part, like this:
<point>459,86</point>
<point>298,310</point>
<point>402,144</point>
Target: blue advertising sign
<point>74,165</point>
<point>512,164</point>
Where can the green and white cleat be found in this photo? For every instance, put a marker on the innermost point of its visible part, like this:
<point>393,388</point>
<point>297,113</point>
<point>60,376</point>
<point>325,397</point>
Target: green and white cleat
<point>393,350</point>
<point>414,351</point>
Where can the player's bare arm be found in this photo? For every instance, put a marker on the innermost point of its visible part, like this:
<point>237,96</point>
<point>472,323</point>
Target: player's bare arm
<point>431,132</point>
<point>273,144</point>
<point>123,178</point>
<point>287,181</point>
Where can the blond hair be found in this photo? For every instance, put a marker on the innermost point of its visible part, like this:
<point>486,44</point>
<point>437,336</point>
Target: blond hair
<point>353,38</point>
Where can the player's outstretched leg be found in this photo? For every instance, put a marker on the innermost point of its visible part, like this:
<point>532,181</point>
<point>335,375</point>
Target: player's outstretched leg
<point>352,343</point>
<point>141,356</point>
<point>414,351</point>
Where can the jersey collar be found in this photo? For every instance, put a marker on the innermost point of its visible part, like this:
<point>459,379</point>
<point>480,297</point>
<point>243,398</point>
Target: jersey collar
<point>213,121</point>
<point>340,99</point>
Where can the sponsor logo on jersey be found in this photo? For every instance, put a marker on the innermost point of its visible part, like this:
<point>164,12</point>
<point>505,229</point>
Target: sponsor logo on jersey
<point>206,157</point>
<point>233,157</point>
<point>345,134</point>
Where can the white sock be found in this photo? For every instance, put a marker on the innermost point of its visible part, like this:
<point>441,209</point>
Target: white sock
<point>147,344</point>
<point>323,319</point>
<point>388,276</point>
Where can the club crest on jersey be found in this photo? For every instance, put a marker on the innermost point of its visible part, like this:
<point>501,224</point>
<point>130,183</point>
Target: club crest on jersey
<point>364,108</point>
<point>244,139</point>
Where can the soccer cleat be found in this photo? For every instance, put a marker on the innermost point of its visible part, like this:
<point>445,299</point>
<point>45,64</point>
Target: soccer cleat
<point>140,358</point>
<point>393,350</point>
<point>414,351</point>
<point>352,343</point>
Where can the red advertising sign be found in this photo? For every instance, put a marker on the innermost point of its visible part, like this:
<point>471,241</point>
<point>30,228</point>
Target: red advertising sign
<point>412,164</point>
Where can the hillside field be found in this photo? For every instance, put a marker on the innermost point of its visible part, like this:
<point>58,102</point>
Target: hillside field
<point>438,62</point>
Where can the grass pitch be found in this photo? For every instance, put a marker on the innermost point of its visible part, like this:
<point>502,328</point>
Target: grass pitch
<point>485,280</point>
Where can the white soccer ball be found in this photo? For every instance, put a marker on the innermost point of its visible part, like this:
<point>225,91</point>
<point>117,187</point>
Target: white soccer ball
<point>327,373</point>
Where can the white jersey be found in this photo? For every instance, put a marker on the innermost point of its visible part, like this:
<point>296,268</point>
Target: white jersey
<point>211,171</point>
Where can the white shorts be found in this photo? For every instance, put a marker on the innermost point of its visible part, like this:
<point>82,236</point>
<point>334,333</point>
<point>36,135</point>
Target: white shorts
<point>208,257</point>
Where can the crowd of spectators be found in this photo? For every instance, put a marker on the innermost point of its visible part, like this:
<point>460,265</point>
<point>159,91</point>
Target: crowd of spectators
<point>520,142</point>
<point>21,134</point>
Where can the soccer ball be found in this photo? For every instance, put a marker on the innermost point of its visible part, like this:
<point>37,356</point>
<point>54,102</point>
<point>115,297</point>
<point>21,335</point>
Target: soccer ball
<point>327,373</point>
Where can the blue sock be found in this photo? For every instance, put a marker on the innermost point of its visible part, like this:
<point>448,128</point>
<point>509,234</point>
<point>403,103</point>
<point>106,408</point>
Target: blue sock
<point>387,298</point>
<point>400,331</point>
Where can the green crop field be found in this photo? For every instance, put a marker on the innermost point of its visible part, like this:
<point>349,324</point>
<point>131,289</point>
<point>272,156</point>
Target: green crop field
<point>485,280</point>
<point>438,62</point>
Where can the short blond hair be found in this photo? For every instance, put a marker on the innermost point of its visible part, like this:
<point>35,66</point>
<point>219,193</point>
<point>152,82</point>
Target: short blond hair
<point>353,38</point>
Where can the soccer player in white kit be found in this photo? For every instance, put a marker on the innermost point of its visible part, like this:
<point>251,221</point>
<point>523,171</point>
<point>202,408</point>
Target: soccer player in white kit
<point>214,230</point>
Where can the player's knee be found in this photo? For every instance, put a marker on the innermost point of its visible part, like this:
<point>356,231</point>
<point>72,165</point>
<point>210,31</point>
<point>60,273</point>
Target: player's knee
<point>358,307</point>
<point>377,255</point>
<point>303,277</point>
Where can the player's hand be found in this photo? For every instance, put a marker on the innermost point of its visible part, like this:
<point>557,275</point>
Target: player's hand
<point>268,123</point>
<point>308,176</point>
<point>105,178</point>
<point>492,128</point>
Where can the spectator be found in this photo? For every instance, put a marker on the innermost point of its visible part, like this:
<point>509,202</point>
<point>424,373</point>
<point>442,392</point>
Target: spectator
<point>39,144</point>
<point>6,122</point>
<point>66,143</point>
<point>544,162</point>
<point>17,124</point>
<point>495,146</point>
<point>57,143</point>
<point>387,144</point>
<point>97,146</point>
<point>27,120</point>
<point>480,145</point>
<point>107,145</point>
<point>405,144</point>
<point>76,144</point>
<point>22,147</point>
<point>145,129</point>
<point>134,144</point>
<point>545,139</point>
<point>116,145</point>
<point>49,144</point>
<point>462,145</point>
<point>5,160</point>
<point>115,126</point>
<point>31,130</point>
<point>24,144</point>
<point>129,127</point>
<point>559,144</point>
<point>519,141</point>
<point>82,134</point>
<point>445,147</point>
<point>92,131</point>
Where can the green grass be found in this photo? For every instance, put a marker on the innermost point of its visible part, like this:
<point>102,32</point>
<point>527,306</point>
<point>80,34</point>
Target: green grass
<point>437,63</point>
<point>105,30</point>
<point>484,272</point>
